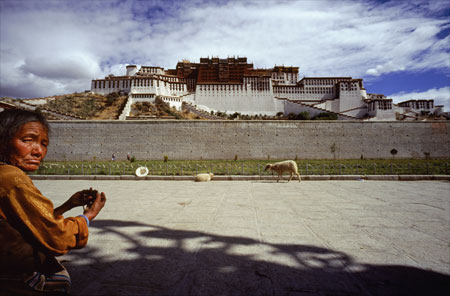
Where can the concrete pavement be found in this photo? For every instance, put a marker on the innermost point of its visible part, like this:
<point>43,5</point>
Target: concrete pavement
<point>262,238</point>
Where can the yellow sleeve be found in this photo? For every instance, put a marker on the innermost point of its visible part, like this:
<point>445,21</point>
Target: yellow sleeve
<point>26,207</point>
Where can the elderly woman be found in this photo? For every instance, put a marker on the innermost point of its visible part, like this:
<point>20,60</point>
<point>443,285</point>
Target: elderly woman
<point>32,232</point>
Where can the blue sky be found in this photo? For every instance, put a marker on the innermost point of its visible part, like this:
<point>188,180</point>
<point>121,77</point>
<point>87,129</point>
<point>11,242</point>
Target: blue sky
<point>400,48</point>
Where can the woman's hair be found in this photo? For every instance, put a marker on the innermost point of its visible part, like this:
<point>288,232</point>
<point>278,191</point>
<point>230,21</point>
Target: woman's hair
<point>11,121</point>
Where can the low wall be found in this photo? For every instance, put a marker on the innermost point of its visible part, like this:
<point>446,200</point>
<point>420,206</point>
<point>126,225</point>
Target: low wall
<point>181,139</point>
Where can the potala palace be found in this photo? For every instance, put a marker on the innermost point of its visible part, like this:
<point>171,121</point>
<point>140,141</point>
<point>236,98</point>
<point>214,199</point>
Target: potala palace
<point>234,85</point>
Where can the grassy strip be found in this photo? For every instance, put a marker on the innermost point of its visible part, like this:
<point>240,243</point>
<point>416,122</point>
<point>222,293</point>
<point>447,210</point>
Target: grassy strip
<point>250,167</point>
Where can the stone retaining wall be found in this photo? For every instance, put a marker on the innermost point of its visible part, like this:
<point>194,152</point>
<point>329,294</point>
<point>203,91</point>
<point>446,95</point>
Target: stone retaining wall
<point>180,139</point>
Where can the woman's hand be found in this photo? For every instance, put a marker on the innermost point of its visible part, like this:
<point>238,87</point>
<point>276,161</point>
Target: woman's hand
<point>80,198</point>
<point>92,211</point>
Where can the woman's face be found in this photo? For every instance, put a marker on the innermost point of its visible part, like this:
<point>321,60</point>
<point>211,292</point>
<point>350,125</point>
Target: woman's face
<point>29,146</point>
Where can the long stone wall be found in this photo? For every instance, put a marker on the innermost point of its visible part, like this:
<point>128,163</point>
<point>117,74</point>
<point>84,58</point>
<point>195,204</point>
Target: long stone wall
<point>179,139</point>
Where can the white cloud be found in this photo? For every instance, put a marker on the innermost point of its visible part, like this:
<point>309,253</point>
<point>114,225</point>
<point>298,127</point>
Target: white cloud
<point>57,46</point>
<point>441,96</point>
<point>72,66</point>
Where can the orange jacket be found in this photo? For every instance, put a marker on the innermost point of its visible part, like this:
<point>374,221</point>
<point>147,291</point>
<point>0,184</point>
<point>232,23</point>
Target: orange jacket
<point>24,207</point>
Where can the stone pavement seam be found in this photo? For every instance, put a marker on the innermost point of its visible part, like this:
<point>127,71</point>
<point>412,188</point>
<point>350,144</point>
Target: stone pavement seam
<point>256,218</point>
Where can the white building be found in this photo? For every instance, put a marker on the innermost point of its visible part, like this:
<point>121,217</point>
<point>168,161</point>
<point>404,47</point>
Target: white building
<point>232,85</point>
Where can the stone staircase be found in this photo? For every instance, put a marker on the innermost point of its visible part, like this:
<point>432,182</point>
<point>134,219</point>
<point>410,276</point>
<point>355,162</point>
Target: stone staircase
<point>340,115</point>
<point>353,109</point>
<point>126,109</point>
<point>186,95</point>
<point>202,114</point>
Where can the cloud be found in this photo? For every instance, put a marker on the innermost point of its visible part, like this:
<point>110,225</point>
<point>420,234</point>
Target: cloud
<point>57,46</point>
<point>441,96</point>
<point>73,66</point>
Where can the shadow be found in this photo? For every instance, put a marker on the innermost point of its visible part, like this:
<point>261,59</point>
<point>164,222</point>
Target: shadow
<point>284,181</point>
<point>161,261</point>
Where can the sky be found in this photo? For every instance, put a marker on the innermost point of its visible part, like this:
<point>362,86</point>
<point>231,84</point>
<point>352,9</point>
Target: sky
<point>400,48</point>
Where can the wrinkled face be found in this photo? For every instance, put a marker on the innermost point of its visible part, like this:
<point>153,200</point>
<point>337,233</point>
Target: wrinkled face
<point>29,146</point>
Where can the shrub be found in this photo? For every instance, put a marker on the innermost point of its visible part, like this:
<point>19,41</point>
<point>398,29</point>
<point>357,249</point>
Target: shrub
<point>111,97</point>
<point>172,113</point>
<point>394,152</point>
<point>303,116</point>
<point>166,158</point>
<point>291,116</point>
<point>333,150</point>
<point>235,157</point>
<point>132,159</point>
<point>235,115</point>
<point>333,147</point>
<point>325,116</point>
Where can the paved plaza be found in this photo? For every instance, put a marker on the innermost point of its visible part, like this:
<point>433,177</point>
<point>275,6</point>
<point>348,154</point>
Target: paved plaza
<point>262,238</point>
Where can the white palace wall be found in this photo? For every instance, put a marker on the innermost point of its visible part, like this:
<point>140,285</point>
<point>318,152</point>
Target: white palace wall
<point>304,94</point>
<point>292,107</point>
<point>159,85</point>
<point>332,105</point>
<point>154,86</point>
<point>236,98</point>
<point>107,86</point>
<point>173,102</point>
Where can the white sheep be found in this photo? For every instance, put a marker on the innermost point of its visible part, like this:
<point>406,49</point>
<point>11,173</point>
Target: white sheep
<point>283,166</point>
<point>204,177</point>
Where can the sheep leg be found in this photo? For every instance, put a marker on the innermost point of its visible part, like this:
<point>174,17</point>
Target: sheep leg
<point>298,175</point>
<point>279,176</point>
<point>292,175</point>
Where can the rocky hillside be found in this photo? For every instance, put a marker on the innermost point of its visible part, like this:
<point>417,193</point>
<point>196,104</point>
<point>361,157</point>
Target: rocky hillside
<point>74,106</point>
<point>158,109</point>
<point>91,106</point>
<point>88,105</point>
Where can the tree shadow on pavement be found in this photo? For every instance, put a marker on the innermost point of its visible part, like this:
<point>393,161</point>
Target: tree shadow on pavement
<point>181,262</point>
